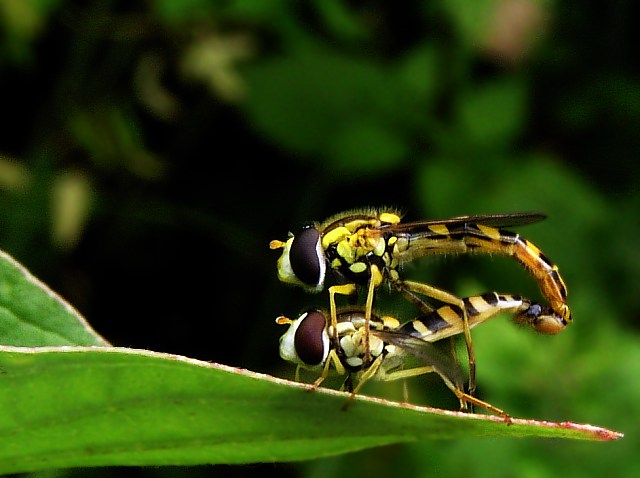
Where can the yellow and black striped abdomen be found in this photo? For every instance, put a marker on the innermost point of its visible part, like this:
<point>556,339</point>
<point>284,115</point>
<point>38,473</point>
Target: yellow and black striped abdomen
<point>464,237</point>
<point>448,320</point>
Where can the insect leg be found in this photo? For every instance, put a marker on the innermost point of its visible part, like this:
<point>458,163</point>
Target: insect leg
<point>345,289</point>
<point>410,288</point>
<point>365,375</point>
<point>368,311</point>
<point>467,398</point>
<point>331,358</point>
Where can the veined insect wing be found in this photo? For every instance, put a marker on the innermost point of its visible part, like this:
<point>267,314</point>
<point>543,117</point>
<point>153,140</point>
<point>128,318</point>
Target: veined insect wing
<point>427,353</point>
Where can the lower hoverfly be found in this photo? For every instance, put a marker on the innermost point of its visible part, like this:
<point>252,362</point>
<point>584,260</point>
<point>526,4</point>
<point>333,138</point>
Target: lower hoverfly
<point>367,248</point>
<point>309,342</point>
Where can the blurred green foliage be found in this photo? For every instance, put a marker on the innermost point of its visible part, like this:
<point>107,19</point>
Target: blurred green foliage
<point>146,140</point>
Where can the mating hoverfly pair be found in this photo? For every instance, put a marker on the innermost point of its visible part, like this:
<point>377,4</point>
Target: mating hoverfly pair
<point>366,249</point>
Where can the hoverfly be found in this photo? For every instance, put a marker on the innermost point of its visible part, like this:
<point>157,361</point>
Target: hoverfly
<point>367,248</point>
<point>309,342</point>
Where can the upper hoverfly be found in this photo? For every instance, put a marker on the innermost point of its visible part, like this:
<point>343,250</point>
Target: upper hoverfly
<point>309,344</point>
<point>367,248</point>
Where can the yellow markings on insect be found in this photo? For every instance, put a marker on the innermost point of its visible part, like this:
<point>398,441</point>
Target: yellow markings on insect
<point>390,322</point>
<point>448,314</point>
<point>345,251</point>
<point>358,223</point>
<point>358,267</point>
<point>532,249</point>
<point>490,232</point>
<point>421,328</point>
<point>379,248</point>
<point>389,218</point>
<point>276,244</point>
<point>353,346</point>
<point>439,229</point>
<point>361,242</point>
<point>334,236</point>
<point>376,276</point>
<point>564,312</point>
<point>563,293</point>
<point>480,304</point>
<point>344,328</point>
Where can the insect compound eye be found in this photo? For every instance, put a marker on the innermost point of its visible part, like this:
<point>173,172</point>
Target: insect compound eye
<point>306,257</point>
<point>534,310</point>
<point>311,340</point>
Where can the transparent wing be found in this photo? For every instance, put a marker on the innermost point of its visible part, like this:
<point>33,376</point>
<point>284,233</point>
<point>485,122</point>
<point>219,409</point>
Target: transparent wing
<point>493,220</point>
<point>427,353</point>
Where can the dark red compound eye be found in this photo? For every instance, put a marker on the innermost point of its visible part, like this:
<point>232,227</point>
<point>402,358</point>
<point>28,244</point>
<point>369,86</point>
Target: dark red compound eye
<point>303,256</point>
<point>309,343</point>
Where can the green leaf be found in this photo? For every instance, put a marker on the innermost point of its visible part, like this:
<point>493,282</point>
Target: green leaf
<point>493,114</point>
<point>302,101</point>
<point>419,78</point>
<point>76,406</point>
<point>340,21</point>
<point>171,11</point>
<point>470,19</point>
<point>368,147</point>
<point>31,314</point>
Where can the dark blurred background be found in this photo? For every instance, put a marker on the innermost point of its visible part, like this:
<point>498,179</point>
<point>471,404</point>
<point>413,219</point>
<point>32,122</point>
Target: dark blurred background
<point>152,149</point>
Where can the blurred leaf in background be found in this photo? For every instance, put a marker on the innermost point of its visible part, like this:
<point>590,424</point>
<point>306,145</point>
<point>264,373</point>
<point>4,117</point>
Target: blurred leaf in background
<point>151,150</point>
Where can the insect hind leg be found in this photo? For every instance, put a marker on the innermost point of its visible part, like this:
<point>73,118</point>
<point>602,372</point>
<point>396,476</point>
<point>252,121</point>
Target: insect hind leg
<point>412,291</point>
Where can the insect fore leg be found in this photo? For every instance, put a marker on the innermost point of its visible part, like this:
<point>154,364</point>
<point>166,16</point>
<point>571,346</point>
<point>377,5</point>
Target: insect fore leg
<point>365,375</point>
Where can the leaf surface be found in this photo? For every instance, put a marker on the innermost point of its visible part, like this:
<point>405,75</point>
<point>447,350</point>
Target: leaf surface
<point>97,406</point>
<point>31,314</point>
